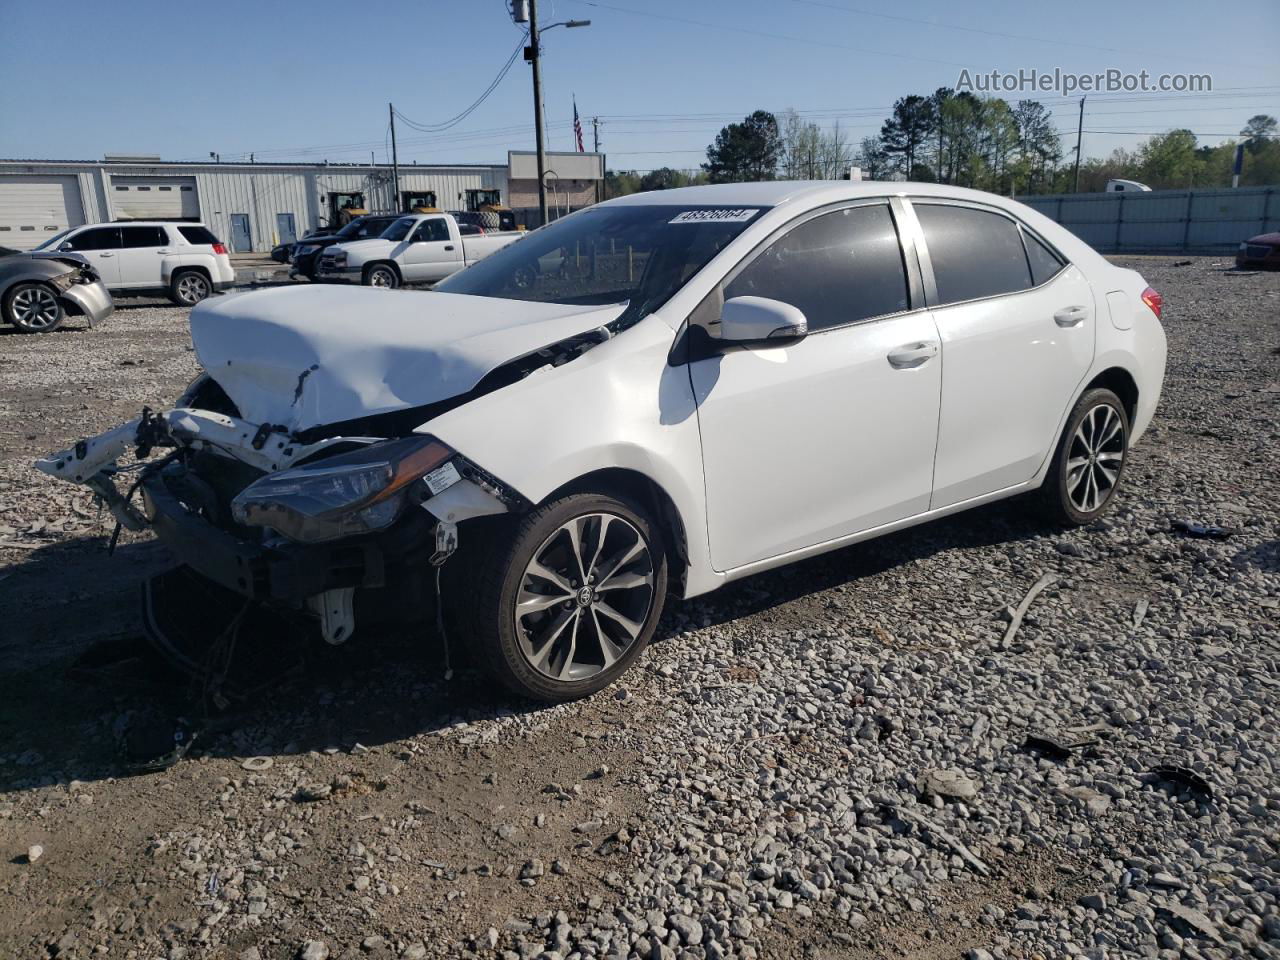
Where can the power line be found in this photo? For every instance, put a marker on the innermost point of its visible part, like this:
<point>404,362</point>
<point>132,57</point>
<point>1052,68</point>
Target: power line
<point>455,120</point>
<point>723,28</point>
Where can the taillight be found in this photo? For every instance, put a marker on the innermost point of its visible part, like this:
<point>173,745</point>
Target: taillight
<point>222,248</point>
<point>1153,300</point>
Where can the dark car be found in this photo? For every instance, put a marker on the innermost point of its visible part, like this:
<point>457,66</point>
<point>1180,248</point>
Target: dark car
<point>39,290</point>
<point>1260,251</point>
<point>306,253</point>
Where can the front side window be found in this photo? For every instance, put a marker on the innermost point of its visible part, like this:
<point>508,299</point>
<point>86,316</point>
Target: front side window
<point>103,238</point>
<point>640,254</point>
<point>975,253</point>
<point>53,242</point>
<point>434,230</point>
<point>142,237</point>
<point>838,268</point>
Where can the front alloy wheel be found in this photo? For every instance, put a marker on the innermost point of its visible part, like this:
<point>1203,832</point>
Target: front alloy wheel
<point>564,603</point>
<point>383,277</point>
<point>1089,462</point>
<point>34,308</point>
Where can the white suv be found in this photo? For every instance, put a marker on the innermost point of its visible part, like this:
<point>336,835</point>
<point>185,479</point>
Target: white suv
<point>185,260</point>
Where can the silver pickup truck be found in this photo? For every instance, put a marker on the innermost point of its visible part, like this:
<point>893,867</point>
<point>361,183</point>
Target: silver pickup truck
<point>417,248</point>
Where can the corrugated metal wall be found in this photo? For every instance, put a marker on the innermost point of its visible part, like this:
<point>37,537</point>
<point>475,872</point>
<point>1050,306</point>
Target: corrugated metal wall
<point>262,191</point>
<point>1173,221</point>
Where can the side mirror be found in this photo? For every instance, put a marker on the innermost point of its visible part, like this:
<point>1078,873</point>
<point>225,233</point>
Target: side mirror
<point>759,319</point>
<point>65,247</point>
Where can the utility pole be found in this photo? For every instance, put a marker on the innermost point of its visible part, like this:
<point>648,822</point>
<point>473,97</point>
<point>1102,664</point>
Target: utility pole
<point>395,163</point>
<point>595,148</point>
<point>535,56</point>
<point>1079,139</point>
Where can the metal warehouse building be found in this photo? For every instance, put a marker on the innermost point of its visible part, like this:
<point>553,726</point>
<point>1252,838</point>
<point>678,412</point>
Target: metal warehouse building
<point>253,206</point>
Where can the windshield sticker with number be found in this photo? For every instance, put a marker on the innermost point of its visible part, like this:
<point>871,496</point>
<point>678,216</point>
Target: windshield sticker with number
<point>715,216</point>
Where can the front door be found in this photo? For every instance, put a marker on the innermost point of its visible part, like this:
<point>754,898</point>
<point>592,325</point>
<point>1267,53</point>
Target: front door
<point>101,247</point>
<point>429,253</point>
<point>832,435</point>
<point>1017,327</point>
<point>285,230</point>
<point>241,239</point>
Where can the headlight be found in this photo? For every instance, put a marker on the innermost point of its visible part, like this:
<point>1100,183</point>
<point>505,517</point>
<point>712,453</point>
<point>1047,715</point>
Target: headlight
<point>338,256</point>
<point>304,250</point>
<point>65,281</point>
<point>342,496</point>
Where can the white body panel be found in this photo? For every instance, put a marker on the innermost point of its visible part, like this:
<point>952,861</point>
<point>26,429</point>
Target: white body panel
<point>1010,369</point>
<point>847,436</point>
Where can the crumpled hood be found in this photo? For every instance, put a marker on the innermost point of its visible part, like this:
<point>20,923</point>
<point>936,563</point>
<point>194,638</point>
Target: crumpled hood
<point>309,356</point>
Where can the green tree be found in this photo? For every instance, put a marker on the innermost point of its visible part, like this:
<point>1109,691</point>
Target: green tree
<point>745,151</point>
<point>1169,161</point>
<point>619,183</point>
<point>664,178</point>
<point>905,134</point>
<point>1260,129</point>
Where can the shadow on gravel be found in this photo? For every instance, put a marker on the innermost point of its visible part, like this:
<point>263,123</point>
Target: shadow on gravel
<point>1265,556</point>
<point>100,707</point>
<point>1007,521</point>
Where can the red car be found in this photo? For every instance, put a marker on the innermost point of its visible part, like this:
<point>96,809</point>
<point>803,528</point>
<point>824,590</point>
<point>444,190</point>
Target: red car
<point>1260,251</point>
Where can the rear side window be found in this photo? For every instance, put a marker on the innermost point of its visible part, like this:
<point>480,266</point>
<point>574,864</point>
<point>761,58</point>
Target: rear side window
<point>1044,262</point>
<point>197,235</point>
<point>838,268</point>
<point>974,253</point>
<point>143,237</point>
<point>103,238</point>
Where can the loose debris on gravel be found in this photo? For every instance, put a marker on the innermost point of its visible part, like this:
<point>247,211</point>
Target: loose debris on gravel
<point>855,757</point>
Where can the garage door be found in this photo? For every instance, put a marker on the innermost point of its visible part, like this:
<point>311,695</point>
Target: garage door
<point>154,198</point>
<point>34,208</point>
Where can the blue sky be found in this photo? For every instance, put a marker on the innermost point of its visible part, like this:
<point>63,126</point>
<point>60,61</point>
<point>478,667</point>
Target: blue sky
<point>236,77</point>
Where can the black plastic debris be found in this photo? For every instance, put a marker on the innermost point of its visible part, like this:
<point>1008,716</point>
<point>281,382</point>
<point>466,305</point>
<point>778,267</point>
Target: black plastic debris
<point>1185,779</point>
<point>154,742</point>
<point>1055,748</point>
<point>1204,530</point>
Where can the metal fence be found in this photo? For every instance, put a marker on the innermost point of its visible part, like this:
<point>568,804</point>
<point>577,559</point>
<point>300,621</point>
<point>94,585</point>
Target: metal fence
<point>1165,221</point>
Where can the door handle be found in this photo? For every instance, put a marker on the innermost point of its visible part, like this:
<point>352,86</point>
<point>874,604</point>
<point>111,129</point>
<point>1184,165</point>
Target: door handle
<point>1071,316</point>
<point>163,251</point>
<point>105,255</point>
<point>912,355</point>
<point>449,248</point>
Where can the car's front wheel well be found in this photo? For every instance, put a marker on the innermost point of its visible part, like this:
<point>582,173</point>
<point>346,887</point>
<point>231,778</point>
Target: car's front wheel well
<point>1120,382</point>
<point>179,271</point>
<point>619,480</point>
<point>390,264</point>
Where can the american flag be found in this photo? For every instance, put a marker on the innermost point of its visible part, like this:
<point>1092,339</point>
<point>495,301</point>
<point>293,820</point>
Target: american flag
<point>577,127</point>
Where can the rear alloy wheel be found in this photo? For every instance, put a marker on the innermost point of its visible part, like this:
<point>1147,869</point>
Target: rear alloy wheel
<point>1089,462</point>
<point>381,276</point>
<point>33,308</point>
<point>567,604</point>
<point>190,288</point>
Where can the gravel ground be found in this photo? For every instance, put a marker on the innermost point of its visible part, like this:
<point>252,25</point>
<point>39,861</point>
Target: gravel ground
<point>843,759</point>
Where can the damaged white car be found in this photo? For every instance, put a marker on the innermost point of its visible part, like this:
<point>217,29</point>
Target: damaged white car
<point>667,391</point>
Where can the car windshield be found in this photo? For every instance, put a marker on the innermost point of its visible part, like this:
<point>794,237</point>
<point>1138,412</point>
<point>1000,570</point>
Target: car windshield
<point>53,241</point>
<point>399,230</point>
<point>609,254</point>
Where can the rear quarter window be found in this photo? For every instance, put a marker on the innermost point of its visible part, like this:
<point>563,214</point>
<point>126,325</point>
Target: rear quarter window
<point>1045,264</point>
<point>197,235</point>
<point>974,253</point>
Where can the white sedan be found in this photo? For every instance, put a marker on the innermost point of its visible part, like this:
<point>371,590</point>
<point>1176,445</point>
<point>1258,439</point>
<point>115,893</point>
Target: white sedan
<point>661,393</point>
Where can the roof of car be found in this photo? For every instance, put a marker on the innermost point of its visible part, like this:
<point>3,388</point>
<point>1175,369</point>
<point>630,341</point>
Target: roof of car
<point>147,223</point>
<point>771,193</point>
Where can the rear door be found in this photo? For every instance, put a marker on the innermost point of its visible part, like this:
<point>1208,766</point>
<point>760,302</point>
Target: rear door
<point>1017,326</point>
<point>142,252</point>
<point>101,247</point>
<point>808,442</point>
<point>431,253</point>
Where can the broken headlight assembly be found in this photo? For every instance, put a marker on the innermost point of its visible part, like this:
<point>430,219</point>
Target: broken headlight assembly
<point>342,496</point>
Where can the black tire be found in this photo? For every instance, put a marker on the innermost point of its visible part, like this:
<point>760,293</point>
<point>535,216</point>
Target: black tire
<point>189,287</point>
<point>381,275</point>
<point>491,582</point>
<point>33,308</point>
<point>1065,496</point>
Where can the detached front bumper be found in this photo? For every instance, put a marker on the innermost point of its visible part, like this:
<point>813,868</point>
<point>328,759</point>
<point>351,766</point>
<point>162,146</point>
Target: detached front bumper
<point>280,571</point>
<point>93,300</point>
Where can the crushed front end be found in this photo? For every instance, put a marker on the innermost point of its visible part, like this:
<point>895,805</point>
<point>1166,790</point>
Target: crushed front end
<point>298,525</point>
